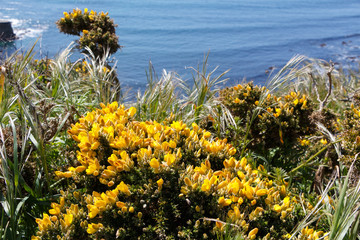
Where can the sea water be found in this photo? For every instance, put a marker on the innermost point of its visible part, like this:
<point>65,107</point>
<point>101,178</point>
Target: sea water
<point>249,37</point>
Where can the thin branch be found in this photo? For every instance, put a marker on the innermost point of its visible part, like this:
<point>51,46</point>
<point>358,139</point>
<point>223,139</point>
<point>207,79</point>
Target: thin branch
<point>217,220</point>
<point>322,103</point>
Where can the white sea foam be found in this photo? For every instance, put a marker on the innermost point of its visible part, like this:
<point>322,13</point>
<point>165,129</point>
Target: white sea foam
<point>15,22</point>
<point>28,33</point>
<point>7,9</point>
<point>24,28</point>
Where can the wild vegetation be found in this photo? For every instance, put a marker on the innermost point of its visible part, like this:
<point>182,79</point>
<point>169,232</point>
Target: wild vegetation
<point>184,160</point>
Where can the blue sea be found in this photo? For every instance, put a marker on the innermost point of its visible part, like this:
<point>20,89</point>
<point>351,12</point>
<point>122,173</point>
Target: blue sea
<point>247,36</point>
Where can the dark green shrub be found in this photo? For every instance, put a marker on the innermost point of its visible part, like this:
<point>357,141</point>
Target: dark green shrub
<point>96,30</point>
<point>161,181</point>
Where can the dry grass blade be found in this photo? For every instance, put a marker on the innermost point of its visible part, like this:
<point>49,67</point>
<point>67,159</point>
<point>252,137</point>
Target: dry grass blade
<point>343,215</point>
<point>287,74</point>
<point>313,215</point>
<point>202,100</point>
<point>330,136</point>
<point>102,78</point>
<point>160,98</point>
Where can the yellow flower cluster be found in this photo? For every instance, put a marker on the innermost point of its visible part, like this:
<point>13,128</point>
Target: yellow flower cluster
<point>60,218</point>
<point>356,111</point>
<point>96,30</point>
<point>98,203</point>
<point>151,145</point>
<point>281,119</point>
<point>240,190</point>
<point>114,150</point>
<point>82,69</point>
<point>78,13</point>
<point>277,105</point>
<point>311,234</point>
<point>284,105</point>
<point>81,66</point>
<point>246,92</point>
<point>153,141</point>
<point>304,142</point>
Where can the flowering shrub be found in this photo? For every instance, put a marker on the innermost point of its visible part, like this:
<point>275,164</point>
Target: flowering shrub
<point>283,119</point>
<point>96,30</point>
<point>350,135</point>
<point>149,180</point>
<point>244,198</point>
<point>280,122</point>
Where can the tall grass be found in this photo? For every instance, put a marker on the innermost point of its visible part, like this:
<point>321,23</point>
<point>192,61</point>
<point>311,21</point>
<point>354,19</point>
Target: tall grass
<point>67,90</point>
<point>342,216</point>
<point>202,98</point>
<point>160,97</point>
<point>172,98</point>
<point>15,217</point>
<point>7,99</point>
<point>102,81</point>
<point>16,136</point>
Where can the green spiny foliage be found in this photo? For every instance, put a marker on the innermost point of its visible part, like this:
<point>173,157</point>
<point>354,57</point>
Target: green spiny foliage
<point>161,181</point>
<point>96,30</point>
<point>349,130</point>
<point>280,122</point>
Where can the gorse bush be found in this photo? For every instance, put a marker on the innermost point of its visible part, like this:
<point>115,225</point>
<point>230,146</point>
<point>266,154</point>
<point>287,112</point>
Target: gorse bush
<point>149,180</point>
<point>280,121</point>
<point>283,118</point>
<point>350,135</point>
<point>96,30</point>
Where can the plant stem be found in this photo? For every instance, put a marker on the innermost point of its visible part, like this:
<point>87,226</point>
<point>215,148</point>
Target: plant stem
<point>312,157</point>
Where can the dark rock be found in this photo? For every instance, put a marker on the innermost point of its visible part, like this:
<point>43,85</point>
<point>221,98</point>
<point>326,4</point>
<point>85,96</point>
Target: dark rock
<point>351,58</point>
<point>6,31</point>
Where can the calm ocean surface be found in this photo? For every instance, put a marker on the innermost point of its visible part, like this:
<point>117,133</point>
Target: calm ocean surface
<point>246,36</point>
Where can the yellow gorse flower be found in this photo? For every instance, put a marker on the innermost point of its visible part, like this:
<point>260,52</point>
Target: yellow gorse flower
<point>92,227</point>
<point>239,189</point>
<point>68,219</point>
<point>154,163</point>
<point>44,223</point>
<point>311,234</point>
<point>252,233</point>
<point>169,159</point>
<point>160,183</point>
<point>122,187</point>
